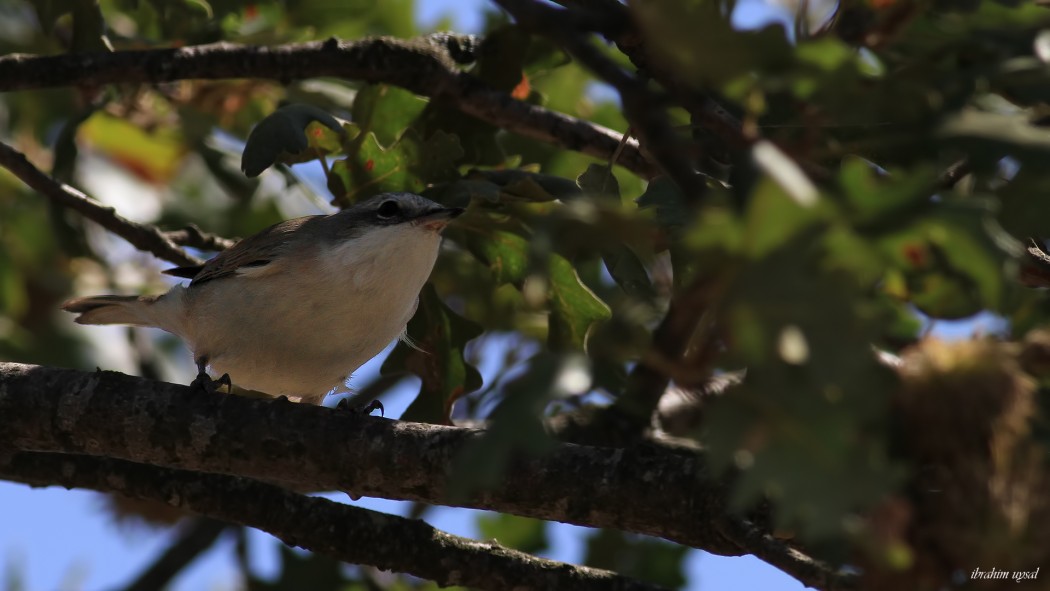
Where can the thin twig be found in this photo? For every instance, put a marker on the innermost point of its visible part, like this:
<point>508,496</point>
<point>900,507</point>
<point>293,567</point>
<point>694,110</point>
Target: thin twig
<point>142,236</point>
<point>194,237</point>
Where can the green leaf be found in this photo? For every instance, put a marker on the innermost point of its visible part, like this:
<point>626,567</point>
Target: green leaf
<point>773,218</point>
<point>622,263</point>
<point>440,336</point>
<point>574,307</point>
<point>521,533</point>
<point>282,137</point>
<point>505,253</point>
<point>411,164</point>
<point>598,181</point>
<point>529,186</point>
<point>500,61</point>
<point>386,111</point>
<point>871,198</point>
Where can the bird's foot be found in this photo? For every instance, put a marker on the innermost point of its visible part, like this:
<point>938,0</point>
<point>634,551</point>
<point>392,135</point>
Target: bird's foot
<point>366,410</point>
<point>204,383</point>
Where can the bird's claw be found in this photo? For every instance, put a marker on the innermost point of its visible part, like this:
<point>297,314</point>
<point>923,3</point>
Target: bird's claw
<point>366,410</point>
<point>204,383</point>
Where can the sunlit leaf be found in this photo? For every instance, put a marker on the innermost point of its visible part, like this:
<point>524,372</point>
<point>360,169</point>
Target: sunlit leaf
<point>386,111</point>
<point>574,307</point>
<point>411,164</point>
<point>505,253</point>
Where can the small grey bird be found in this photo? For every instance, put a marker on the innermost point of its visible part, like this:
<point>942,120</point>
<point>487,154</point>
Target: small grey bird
<point>298,307</point>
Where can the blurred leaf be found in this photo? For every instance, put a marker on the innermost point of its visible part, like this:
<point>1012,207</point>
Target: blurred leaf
<point>282,137</point>
<point>89,27</point>
<point>955,260</point>
<point>1025,211</point>
<point>872,198</point>
<point>65,149</point>
<point>460,192</point>
<point>646,559</point>
<point>238,185</point>
<point>411,164</point>
<point>990,136</point>
<point>303,570</point>
<point>441,336</point>
<point>663,196</point>
<point>774,218</point>
<point>516,426</point>
<point>808,412</point>
<point>153,157</point>
<point>521,533</point>
<point>622,263</point>
<point>696,39</point>
<point>529,186</point>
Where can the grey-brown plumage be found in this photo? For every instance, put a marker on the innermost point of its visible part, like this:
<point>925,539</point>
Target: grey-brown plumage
<point>294,309</point>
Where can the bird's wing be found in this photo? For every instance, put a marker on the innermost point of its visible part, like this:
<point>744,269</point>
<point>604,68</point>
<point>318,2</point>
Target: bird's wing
<point>253,252</point>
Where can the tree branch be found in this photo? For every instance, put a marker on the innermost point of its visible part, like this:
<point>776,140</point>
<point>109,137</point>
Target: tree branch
<point>350,534</point>
<point>142,236</point>
<point>620,28</point>
<point>194,237</point>
<point>642,107</point>
<point>420,65</point>
<point>113,415</point>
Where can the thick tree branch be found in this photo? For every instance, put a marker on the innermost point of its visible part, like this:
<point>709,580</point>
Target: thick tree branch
<point>113,415</point>
<point>420,65</point>
<point>351,534</point>
<point>142,236</point>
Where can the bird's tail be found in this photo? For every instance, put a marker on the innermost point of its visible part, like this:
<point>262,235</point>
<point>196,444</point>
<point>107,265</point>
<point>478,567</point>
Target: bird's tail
<point>113,309</point>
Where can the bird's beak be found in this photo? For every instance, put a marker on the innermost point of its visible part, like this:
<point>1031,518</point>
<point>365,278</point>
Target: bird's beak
<point>437,219</point>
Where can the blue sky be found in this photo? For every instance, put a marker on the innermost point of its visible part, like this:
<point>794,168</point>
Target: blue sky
<point>60,540</point>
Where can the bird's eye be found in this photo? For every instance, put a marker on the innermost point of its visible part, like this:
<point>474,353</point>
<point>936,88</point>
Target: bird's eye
<point>388,209</point>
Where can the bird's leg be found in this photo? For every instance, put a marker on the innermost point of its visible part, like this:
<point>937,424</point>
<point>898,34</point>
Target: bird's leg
<point>203,381</point>
<point>366,410</point>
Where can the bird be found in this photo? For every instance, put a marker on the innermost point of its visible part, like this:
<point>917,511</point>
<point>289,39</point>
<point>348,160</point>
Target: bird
<point>294,310</point>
